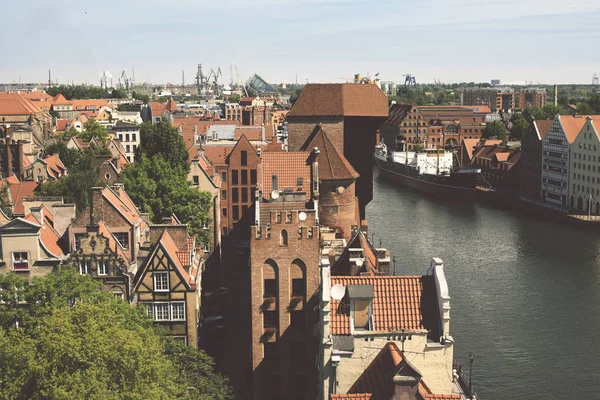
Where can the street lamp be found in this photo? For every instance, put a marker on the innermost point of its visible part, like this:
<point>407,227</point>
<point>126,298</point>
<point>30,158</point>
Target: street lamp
<point>471,358</point>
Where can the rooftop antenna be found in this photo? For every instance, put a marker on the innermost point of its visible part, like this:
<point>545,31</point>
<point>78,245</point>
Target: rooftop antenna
<point>49,79</point>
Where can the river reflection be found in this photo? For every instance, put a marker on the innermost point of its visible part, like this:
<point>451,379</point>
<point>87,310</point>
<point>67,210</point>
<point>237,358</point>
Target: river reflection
<point>525,293</point>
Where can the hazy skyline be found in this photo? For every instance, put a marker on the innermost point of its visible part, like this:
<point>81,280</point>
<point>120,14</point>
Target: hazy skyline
<point>319,41</point>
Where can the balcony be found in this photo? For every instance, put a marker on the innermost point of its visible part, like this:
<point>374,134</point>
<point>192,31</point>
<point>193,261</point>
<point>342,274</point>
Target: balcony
<point>21,266</point>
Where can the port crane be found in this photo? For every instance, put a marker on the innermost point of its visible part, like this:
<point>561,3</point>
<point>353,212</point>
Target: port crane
<point>410,80</point>
<point>124,81</point>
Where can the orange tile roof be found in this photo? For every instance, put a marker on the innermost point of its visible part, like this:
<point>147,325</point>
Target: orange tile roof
<point>59,99</point>
<point>15,104</point>
<point>288,166</point>
<point>572,125</point>
<point>81,105</point>
<point>470,145</point>
<point>354,396</point>
<point>112,242</point>
<point>171,249</point>
<point>49,238</point>
<point>36,95</point>
<point>251,132</point>
<point>63,124</point>
<point>332,163</point>
<point>54,166</point>
<point>184,258</point>
<point>122,204</point>
<point>340,99</point>
<point>397,303</point>
<point>171,105</point>
<point>157,108</point>
<point>218,154</point>
<point>541,126</point>
<point>502,156</point>
<point>18,191</point>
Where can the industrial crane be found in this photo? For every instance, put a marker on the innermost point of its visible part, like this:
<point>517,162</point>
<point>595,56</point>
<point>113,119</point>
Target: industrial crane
<point>124,81</point>
<point>410,80</point>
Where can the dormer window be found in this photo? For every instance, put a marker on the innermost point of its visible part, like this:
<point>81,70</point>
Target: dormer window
<point>20,261</point>
<point>361,307</point>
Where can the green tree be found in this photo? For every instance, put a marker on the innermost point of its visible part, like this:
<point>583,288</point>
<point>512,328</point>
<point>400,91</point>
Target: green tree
<point>69,157</point>
<point>234,98</point>
<point>520,126</point>
<point>495,129</point>
<point>164,140</point>
<point>583,108</point>
<point>93,129</point>
<point>74,341</point>
<point>162,190</point>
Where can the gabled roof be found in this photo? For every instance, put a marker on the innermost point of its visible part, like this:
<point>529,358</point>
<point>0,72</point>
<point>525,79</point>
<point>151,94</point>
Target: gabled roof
<point>332,164</point>
<point>340,100</point>
<point>123,204</point>
<point>157,108</point>
<point>20,190</point>
<point>54,166</point>
<point>49,238</point>
<point>342,266</point>
<point>171,105</point>
<point>378,378</point>
<point>288,167</point>
<point>170,249</point>
<point>541,127</point>
<point>470,145</point>
<point>397,114</point>
<point>63,124</point>
<point>399,302</point>
<point>572,124</point>
<point>59,99</point>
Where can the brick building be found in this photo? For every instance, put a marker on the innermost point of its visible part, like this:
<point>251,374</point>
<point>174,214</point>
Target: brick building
<point>504,98</point>
<point>499,166</point>
<point>284,278</point>
<point>351,115</point>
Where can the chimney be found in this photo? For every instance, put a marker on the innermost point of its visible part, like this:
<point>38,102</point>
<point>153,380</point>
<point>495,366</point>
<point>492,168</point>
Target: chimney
<point>38,213</point>
<point>555,95</point>
<point>406,387</point>
<point>441,286</point>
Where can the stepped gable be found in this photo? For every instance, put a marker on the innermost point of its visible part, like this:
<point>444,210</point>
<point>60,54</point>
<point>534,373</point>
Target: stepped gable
<point>332,163</point>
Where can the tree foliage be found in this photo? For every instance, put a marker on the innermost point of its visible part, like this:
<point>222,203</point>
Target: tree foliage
<point>520,126</point>
<point>82,177</point>
<point>73,92</point>
<point>164,140</point>
<point>73,341</point>
<point>162,190</point>
<point>69,157</point>
<point>495,129</point>
<point>92,129</point>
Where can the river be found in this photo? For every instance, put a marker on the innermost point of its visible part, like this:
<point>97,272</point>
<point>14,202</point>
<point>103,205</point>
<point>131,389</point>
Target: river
<point>525,293</point>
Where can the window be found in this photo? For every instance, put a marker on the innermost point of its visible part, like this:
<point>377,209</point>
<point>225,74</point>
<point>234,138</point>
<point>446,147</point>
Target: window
<point>244,177</point>
<point>224,176</point>
<point>84,267</point>
<point>161,311</point>
<point>78,237</point>
<point>244,195</point>
<point>235,213</point>
<point>234,177</point>
<point>283,239</point>
<point>244,158</point>
<point>127,149</point>
<point>161,281</point>
<point>300,182</point>
<point>298,287</point>
<point>196,180</point>
<point>20,261</point>
<point>224,194</point>
<point>269,288</point>
<point>127,137</point>
<point>224,212</point>
<point>253,177</point>
<point>297,320</point>
<point>270,319</point>
<point>119,295</point>
<point>178,311</point>
<point>102,267</point>
<point>274,181</point>
<point>234,195</point>
<point>270,350</point>
<point>361,314</point>
<point>133,137</point>
<point>122,238</point>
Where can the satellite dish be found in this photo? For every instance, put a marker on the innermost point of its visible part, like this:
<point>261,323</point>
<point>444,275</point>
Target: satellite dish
<point>338,291</point>
<point>302,216</point>
<point>360,262</point>
<point>275,194</point>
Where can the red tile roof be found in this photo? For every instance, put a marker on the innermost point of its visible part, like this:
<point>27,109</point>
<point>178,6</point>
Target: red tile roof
<point>59,99</point>
<point>36,95</point>
<point>171,249</point>
<point>63,124</point>
<point>123,204</point>
<point>470,145</point>
<point>218,154</point>
<point>340,99</point>
<point>112,242</point>
<point>19,191</point>
<point>572,125</point>
<point>332,163</point>
<point>157,108</point>
<point>397,303</point>
<point>288,166</point>
<point>94,104</point>
<point>251,132</point>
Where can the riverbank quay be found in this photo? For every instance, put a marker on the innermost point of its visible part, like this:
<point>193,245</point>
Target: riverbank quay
<point>536,210</point>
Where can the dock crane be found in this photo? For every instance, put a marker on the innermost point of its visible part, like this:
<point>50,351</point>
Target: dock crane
<point>124,81</point>
<point>410,80</point>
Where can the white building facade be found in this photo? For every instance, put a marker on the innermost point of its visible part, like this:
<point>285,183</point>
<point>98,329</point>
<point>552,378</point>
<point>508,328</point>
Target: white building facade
<point>129,136</point>
<point>584,188</point>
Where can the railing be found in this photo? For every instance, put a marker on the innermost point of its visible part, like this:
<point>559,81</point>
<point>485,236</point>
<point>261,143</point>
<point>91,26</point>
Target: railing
<point>20,266</point>
<point>463,382</point>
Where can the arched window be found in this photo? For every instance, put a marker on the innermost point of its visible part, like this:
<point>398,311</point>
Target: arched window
<point>274,182</point>
<point>298,278</point>
<point>283,239</point>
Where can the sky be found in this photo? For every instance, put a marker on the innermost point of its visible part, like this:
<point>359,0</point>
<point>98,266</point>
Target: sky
<point>545,41</point>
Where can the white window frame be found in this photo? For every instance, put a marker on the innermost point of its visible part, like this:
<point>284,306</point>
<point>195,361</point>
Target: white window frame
<point>154,281</point>
<point>87,265</point>
<point>119,295</point>
<point>166,306</point>
<point>102,266</point>
<point>174,314</point>
<point>115,234</point>
<point>14,258</point>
